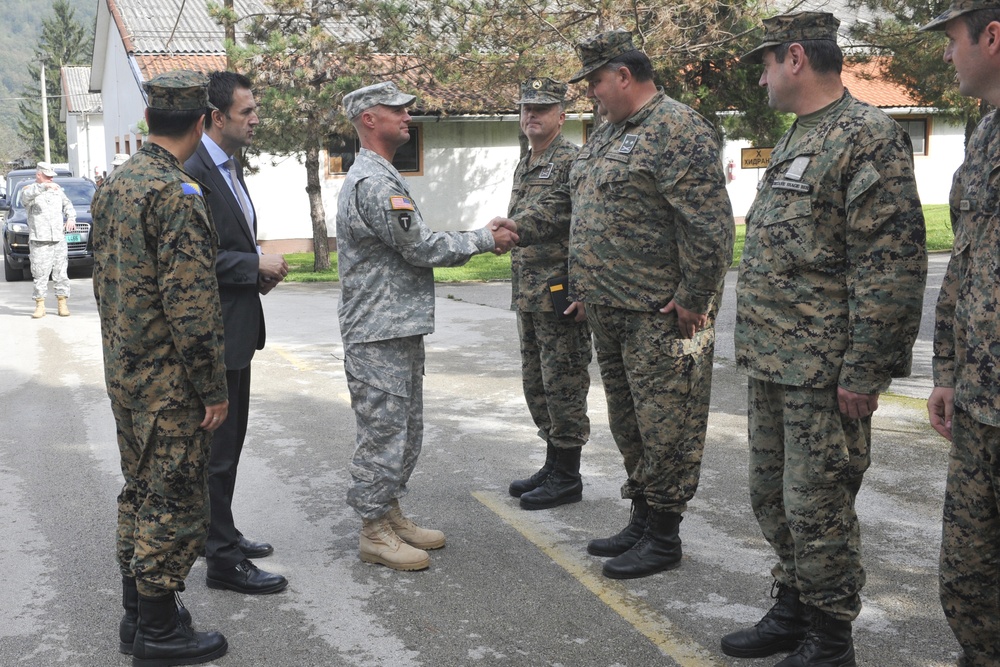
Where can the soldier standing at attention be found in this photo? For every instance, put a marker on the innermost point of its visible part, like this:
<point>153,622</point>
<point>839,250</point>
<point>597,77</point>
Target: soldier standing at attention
<point>161,326</point>
<point>385,257</point>
<point>965,404</point>
<point>555,345</point>
<point>50,216</point>
<point>651,237</point>
<point>828,306</point>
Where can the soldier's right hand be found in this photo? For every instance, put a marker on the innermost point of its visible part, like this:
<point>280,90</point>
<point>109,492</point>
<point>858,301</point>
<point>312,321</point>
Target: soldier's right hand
<point>215,415</point>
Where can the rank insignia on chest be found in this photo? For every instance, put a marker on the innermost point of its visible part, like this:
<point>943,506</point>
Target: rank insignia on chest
<point>405,220</point>
<point>401,204</point>
<point>797,168</point>
<point>965,205</point>
<point>547,172</point>
<point>628,143</point>
<point>784,184</point>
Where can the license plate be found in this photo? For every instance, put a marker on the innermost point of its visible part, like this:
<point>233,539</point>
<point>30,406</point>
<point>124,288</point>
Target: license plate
<point>73,238</point>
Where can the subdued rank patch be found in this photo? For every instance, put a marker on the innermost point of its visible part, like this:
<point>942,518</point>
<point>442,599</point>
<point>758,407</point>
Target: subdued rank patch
<point>191,189</point>
<point>547,172</point>
<point>405,221</point>
<point>965,205</point>
<point>798,168</point>
<point>401,204</point>
<point>628,143</point>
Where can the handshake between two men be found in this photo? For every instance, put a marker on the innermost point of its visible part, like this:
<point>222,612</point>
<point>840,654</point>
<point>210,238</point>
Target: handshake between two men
<point>504,232</point>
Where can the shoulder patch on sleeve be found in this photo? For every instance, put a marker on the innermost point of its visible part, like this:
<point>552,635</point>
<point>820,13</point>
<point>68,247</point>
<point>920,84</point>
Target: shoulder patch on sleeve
<point>191,189</point>
<point>401,204</point>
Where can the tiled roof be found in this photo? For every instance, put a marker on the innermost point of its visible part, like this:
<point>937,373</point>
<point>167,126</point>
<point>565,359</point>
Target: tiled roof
<point>76,95</point>
<point>153,64</point>
<point>866,82</point>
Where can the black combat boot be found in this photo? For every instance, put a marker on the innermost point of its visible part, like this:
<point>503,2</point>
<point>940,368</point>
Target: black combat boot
<point>162,640</point>
<point>522,486</point>
<point>130,603</point>
<point>626,538</point>
<point>828,643</point>
<point>561,487</point>
<point>658,550</point>
<point>781,629</point>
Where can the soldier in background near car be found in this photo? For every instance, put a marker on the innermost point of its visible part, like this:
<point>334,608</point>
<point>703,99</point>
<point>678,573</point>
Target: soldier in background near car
<point>385,255</point>
<point>161,325</point>
<point>50,216</point>
<point>555,346</point>
<point>965,404</point>
<point>829,298</point>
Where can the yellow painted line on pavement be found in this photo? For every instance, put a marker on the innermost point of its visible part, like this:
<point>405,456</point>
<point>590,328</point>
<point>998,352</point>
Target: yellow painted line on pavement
<point>657,628</point>
<point>299,364</point>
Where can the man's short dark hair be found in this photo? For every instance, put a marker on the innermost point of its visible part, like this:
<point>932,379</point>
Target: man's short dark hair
<point>978,20</point>
<point>173,123</point>
<point>221,88</point>
<point>637,63</point>
<point>825,56</point>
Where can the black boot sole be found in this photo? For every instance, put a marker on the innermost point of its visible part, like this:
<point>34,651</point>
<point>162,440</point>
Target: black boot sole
<point>193,660</point>
<point>639,575</point>
<point>607,553</point>
<point>783,646</point>
<point>555,502</point>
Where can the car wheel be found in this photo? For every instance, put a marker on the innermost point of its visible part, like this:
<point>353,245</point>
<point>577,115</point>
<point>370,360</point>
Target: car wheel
<point>9,274</point>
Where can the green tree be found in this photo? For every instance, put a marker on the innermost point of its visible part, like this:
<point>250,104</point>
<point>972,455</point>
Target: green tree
<point>62,41</point>
<point>914,59</point>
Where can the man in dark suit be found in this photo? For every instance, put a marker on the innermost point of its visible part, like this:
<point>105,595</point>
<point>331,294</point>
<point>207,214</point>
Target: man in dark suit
<point>244,273</point>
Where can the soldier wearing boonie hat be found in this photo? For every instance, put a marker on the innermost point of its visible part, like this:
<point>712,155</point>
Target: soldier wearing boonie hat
<point>178,90</point>
<point>385,93</point>
<point>798,27</point>
<point>597,51</point>
<point>964,406</point>
<point>155,245</point>
<point>556,348</point>
<point>958,8</point>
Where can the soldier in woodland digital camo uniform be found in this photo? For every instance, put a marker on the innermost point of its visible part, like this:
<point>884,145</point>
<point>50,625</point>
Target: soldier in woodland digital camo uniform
<point>555,346</point>
<point>161,325</point>
<point>651,238</point>
<point>965,404</point>
<point>385,257</point>
<point>828,306</point>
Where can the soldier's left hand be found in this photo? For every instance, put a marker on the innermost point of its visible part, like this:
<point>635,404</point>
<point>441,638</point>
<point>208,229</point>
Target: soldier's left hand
<point>856,406</point>
<point>688,321</point>
<point>578,310</point>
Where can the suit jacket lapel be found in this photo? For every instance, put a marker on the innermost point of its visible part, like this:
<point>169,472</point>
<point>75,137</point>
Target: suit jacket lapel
<point>219,184</point>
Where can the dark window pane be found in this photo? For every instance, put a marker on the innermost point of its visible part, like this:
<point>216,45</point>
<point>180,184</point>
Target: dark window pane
<point>341,152</point>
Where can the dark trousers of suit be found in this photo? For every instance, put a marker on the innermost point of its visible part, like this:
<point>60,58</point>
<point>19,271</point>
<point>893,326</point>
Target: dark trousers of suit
<point>222,549</point>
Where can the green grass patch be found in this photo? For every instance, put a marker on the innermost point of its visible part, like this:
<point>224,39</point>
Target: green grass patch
<point>487,267</point>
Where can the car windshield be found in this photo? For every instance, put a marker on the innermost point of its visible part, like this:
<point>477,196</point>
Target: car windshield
<point>79,192</point>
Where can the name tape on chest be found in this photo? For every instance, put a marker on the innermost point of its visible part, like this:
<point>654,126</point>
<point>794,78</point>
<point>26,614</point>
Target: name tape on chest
<point>785,184</point>
<point>397,203</point>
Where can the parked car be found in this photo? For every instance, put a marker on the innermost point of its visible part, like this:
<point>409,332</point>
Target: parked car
<point>16,259</point>
<point>15,176</point>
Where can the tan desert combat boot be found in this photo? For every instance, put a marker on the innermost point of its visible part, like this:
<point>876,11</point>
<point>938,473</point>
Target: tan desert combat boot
<point>39,309</point>
<point>380,545</point>
<point>63,306</point>
<point>409,532</point>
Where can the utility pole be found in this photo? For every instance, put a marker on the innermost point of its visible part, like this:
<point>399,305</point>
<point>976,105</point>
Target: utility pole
<point>230,34</point>
<point>45,114</point>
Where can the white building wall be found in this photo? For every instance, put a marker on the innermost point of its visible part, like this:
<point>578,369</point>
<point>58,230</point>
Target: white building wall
<point>85,144</point>
<point>122,99</point>
<point>278,191</point>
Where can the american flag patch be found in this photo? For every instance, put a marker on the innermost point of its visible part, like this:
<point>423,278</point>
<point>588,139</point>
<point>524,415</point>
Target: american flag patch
<point>401,204</point>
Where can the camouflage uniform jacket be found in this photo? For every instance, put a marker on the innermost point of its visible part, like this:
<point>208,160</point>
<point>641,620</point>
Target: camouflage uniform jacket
<point>48,209</point>
<point>385,254</point>
<point>651,216</point>
<point>541,191</point>
<point>967,328</point>
<point>154,279</point>
<point>831,281</point>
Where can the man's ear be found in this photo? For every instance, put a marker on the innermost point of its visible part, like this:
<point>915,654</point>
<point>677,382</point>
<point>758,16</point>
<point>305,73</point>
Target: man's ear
<point>991,35</point>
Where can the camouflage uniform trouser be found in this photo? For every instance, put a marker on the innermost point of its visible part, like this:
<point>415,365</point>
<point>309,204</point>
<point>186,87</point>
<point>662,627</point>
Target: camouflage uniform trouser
<point>658,388</point>
<point>163,507</point>
<point>386,380</point>
<point>555,354</point>
<point>49,257</point>
<point>970,544</point>
<point>807,461</point>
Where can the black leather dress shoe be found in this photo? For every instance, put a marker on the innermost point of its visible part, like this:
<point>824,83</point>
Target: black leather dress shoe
<point>246,578</point>
<point>255,549</point>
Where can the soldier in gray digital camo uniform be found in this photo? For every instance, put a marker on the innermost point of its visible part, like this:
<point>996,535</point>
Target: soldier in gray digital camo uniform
<point>828,307</point>
<point>650,241</point>
<point>50,216</point>
<point>385,257</point>
<point>555,346</point>
<point>161,325</point>
<point>965,404</point>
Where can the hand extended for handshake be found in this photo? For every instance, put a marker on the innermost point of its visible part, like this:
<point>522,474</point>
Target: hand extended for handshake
<point>504,234</point>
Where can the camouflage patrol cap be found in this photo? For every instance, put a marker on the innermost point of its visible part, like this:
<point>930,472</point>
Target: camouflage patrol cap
<point>599,50</point>
<point>542,91</point>
<point>798,27</point>
<point>177,90</point>
<point>957,8</point>
<point>385,93</point>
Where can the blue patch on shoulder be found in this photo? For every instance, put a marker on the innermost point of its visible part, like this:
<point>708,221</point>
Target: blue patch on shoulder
<point>191,189</point>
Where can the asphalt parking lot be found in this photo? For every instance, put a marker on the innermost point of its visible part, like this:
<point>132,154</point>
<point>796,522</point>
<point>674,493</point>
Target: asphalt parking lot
<point>511,588</point>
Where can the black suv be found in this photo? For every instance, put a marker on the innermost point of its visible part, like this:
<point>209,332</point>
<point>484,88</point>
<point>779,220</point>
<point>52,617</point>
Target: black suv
<point>17,175</point>
<point>16,261</point>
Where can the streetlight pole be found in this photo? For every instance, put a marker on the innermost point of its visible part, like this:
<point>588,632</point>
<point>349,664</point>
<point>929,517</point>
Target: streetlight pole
<point>45,115</point>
